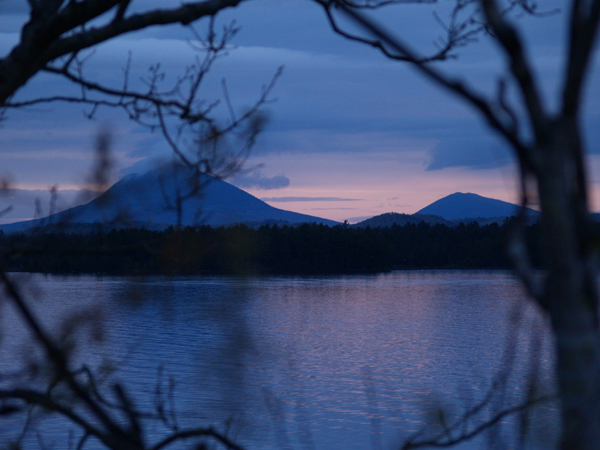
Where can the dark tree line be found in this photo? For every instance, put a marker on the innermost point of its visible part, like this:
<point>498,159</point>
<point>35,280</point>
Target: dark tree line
<point>304,249</point>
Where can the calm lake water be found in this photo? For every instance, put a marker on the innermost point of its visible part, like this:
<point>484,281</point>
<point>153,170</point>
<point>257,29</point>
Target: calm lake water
<point>350,362</point>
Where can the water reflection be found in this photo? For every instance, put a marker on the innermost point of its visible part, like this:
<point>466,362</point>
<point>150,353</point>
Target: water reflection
<point>311,363</point>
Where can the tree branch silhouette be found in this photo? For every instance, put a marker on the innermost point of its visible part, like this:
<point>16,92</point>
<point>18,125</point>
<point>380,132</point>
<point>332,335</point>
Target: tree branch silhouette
<point>553,158</point>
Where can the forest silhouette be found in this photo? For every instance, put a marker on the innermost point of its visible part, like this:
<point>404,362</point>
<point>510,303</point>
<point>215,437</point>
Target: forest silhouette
<point>269,249</point>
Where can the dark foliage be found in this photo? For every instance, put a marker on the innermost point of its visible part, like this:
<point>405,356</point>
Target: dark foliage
<point>270,249</point>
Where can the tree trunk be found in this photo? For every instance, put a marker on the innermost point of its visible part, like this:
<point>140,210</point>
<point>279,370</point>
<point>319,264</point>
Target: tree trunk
<point>571,296</point>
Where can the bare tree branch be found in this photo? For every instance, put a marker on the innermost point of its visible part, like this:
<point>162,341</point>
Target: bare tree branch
<point>459,32</point>
<point>554,158</point>
<point>519,253</point>
<point>462,429</point>
<point>113,435</point>
<point>37,398</point>
<point>197,432</point>
<point>583,33</point>
<point>446,440</point>
<point>155,106</point>
<point>508,37</point>
<point>59,359</point>
<point>476,100</point>
<point>47,37</point>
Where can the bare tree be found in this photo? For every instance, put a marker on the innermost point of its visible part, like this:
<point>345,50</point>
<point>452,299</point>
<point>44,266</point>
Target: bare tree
<point>52,42</point>
<point>551,155</point>
<point>60,28</point>
<point>57,33</point>
<point>110,418</point>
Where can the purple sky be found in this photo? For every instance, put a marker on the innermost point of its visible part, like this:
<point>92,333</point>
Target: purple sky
<point>351,135</point>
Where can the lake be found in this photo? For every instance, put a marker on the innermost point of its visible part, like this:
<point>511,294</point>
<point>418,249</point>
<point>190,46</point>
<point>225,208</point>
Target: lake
<point>345,362</point>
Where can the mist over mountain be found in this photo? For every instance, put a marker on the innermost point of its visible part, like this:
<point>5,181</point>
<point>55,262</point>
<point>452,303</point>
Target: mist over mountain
<point>164,197</point>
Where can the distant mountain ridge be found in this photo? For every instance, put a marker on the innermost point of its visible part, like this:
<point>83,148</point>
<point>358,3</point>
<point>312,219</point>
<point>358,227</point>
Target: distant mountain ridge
<point>392,218</point>
<point>461,206</point>
<point>452,210</point>
<point>150,200</point>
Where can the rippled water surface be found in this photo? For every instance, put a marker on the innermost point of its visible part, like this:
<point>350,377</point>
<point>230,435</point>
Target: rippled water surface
<point>353,362</point>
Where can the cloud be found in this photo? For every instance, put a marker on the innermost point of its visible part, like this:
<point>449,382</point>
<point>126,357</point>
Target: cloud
<point>257,180</point>
<point>309,199</point>
<point>473,152</point>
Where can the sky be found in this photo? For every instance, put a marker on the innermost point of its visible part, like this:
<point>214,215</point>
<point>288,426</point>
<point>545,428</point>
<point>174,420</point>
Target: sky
<point>351,134</point>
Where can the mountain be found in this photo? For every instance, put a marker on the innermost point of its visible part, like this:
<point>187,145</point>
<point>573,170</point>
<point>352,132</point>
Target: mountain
<point>388,219</point>
<point>17,205</point>
<point>151,199</point>
<point>462,206</point>
<point>451,210</point>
